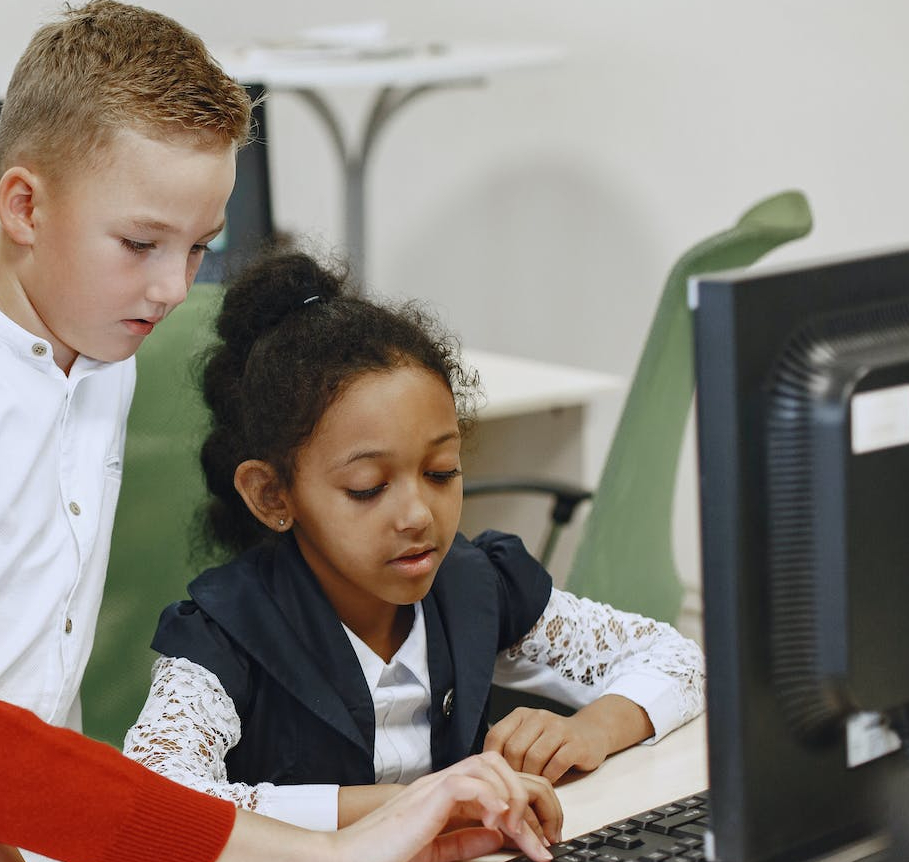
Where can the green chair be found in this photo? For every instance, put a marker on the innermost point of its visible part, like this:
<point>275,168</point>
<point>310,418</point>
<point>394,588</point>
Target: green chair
<point>153,553</point>
<point>625,552</point>
<point>624,556</point>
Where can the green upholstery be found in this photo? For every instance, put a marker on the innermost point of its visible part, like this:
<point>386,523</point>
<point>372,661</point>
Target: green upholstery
<point>625,556</point>
<point>151,561</point>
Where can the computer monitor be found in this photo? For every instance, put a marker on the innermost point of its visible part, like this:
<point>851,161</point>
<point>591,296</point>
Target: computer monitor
<point>803,448</point>
<point>248,224</point>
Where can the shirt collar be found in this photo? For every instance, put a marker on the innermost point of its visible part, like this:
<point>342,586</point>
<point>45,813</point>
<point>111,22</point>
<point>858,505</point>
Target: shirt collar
<point>39,353</point>
<point>412,654</point>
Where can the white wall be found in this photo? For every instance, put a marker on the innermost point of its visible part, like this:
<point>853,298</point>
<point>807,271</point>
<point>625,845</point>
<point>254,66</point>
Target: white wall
<point>543,211</point>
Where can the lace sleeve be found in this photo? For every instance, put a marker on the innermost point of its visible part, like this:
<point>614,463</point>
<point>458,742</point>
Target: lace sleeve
<point>186,728</point>
<point>580,649</point>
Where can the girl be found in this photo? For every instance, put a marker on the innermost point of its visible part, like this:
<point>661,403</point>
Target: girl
<point>354,638</point>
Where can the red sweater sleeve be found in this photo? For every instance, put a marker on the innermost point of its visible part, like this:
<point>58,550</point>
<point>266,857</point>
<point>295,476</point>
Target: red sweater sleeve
<point>71,798</point>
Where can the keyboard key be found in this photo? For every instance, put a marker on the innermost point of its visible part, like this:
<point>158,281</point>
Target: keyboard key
<point>666,825</point>
<point>641,820</point>
<point>694,829</point>
<point>624,841</point>
<point>561,848</point>
<point>654,856</point>
<point>690,843</point>
<point>593,839</point>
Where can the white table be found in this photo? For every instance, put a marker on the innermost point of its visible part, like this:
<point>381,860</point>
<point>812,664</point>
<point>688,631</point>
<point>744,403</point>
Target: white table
<point>516,387</point>
<point>541,420</point>
<point>399,77</point>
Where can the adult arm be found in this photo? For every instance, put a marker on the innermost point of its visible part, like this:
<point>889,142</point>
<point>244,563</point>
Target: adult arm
<point>631,678</point>
<point>81,801</point>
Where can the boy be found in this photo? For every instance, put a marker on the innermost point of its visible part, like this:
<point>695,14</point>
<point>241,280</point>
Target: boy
<point>118,139</point>
<point>116,161</point>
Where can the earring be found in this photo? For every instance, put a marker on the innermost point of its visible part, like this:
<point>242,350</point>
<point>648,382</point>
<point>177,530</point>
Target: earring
<point>281,522</point>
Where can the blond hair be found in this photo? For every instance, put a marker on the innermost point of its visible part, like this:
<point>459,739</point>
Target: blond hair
<point>108,66</point>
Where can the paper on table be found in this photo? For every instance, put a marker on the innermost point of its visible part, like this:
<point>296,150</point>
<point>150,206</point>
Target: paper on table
<point>361,40</point>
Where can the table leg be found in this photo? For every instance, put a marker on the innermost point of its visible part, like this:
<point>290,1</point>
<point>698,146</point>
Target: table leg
<point>355,158</point>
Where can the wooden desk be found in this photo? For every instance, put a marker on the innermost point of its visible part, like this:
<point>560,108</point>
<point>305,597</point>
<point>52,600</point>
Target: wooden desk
<point>634,780</point>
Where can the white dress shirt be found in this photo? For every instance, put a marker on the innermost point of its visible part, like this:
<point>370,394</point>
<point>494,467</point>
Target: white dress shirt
<point>61,443</point>
<point>401,696</point>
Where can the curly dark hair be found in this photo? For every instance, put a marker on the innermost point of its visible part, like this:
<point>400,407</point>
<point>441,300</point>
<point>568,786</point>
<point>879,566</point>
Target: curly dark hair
<point>293,336</point>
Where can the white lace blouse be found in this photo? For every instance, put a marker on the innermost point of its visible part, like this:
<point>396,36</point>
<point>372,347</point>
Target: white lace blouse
<point>576,652</point>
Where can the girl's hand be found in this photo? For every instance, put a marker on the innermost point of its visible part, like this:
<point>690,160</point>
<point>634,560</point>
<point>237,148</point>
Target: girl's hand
<point>543,743</point>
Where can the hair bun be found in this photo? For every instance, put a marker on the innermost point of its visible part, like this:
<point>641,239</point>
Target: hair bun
<point>268,291</point>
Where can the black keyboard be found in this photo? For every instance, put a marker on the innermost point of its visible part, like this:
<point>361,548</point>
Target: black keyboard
<point>668,832</point>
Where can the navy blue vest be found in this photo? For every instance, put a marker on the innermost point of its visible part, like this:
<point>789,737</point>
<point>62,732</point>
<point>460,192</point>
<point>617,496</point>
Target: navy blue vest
<point>264,627</point>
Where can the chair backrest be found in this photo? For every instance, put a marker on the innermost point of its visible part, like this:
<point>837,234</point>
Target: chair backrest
<point>625,554</point>
<point>152,556</point>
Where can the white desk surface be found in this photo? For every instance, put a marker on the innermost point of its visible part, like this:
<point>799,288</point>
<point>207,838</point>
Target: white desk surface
<point>414,66</point>
<point>634,780</point>
<point>514,385</point>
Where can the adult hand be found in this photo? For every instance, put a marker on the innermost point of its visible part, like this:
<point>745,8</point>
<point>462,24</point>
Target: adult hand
<point>482,788</point>
<point>543,743</point>
<point>544,811</point>
<point>409,828</point>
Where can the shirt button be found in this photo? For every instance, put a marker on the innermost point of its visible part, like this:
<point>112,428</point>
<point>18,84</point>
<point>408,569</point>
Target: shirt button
<point>74,508</point>
<point>39,349</point>
<point>69,626</point>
